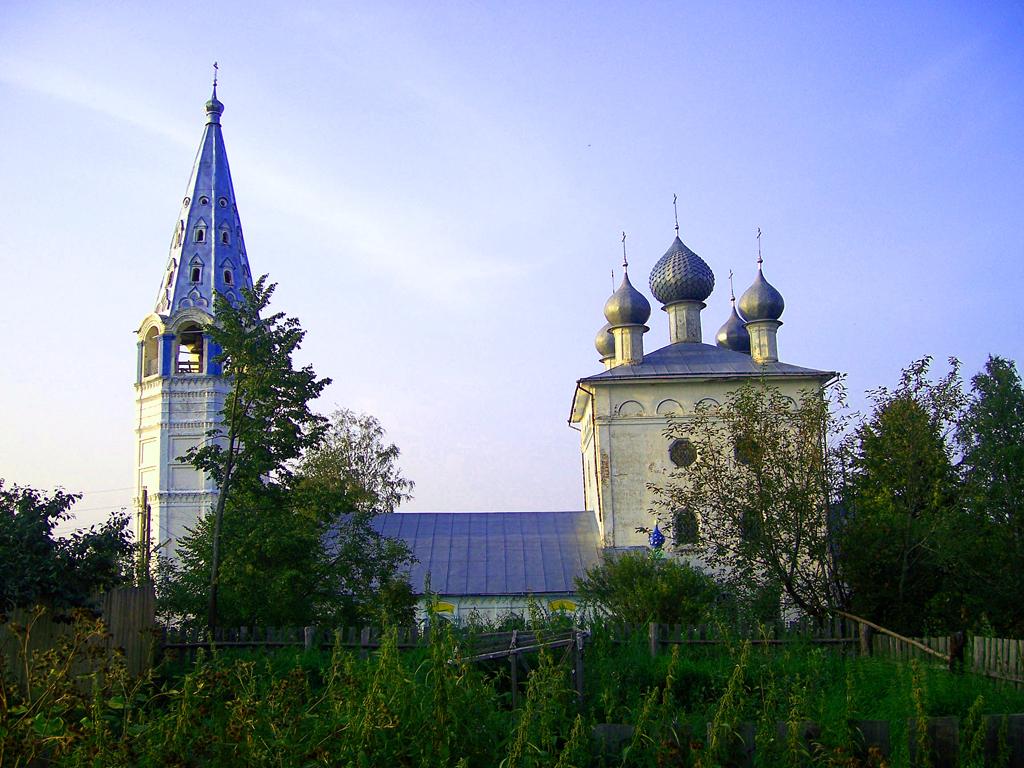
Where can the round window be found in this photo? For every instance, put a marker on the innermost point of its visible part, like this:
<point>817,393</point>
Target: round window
<point>682,453</point>
<point>186,201</point>
<point>223,202</point>
<point>204,200</point>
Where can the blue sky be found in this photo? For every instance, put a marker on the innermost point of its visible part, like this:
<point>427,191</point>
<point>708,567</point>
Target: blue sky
<point>439,191</point>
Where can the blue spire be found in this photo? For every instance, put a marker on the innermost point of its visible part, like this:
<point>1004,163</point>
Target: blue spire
<point>207,251</point>
<point>657,538</point>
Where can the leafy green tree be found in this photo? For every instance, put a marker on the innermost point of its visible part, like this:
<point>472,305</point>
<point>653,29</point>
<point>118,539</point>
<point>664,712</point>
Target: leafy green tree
<point>354,458</point>
<point>991,439</point>
<point>267,422</point>
<point>37,567</point>
<point>899,555</point>
<point>638,587</point>
<point>284,546</point>
<point>759,493</point>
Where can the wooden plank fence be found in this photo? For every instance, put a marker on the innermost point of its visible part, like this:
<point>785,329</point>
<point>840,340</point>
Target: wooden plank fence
<point>129,615</point>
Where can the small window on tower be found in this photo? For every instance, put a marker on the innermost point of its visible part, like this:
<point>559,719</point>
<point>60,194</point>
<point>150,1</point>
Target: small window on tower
<point>227,277</point>
<point>204,200</point>
<point>225,237</point>
<point>197,274</point>
<point>223,202</point>
<point>200,235</point>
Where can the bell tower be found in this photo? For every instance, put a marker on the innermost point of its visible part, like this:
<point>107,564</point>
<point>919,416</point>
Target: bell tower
<point>179,390</point>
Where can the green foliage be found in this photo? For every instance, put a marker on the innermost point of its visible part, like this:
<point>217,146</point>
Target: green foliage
<point>898,541</point>
<point>353,458</point>
<point>37,567</point>
<point>762,489</point>
<point>266,421</point>
<point>991,438</point>
<point>428,707</point>
<point>637,588</point>
<point>289,542</point>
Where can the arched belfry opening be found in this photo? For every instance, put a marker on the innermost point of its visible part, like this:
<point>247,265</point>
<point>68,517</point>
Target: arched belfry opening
<point>190,349</point>
<point>151,353</point>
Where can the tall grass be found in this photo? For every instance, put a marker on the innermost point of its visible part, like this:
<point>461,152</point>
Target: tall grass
<point>428,707</point>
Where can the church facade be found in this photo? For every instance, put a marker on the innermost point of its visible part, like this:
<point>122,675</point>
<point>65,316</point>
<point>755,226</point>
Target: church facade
<point>482,563</point>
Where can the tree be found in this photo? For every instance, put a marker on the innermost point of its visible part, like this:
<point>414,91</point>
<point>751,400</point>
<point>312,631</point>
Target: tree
<point>267,422</point>
<point>900,556</point>
<point>354,458</point>
<point>760,489</point>
<point>37,567</point>
<point>638,588</point>
<point>991,438</point>
<point>284,547</point>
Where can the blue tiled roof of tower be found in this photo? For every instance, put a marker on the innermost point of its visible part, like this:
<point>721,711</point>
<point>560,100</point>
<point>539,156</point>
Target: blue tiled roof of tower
<point>208,234</point>
<point>496,553</point>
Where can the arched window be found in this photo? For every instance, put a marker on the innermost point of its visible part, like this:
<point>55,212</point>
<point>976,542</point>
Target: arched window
<point>190,350</point>
<point>197,274</point>
<point>684,527</point>
<point>200,235</point>
<point>151,353</point>
<point>227,277</point>
<point>225,237</point>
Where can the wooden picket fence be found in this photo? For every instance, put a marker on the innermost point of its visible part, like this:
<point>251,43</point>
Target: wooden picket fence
<point>486,647</point>
<point>129,615</point>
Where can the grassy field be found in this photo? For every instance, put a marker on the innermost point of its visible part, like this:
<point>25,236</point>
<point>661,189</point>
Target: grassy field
<point>427,708</point>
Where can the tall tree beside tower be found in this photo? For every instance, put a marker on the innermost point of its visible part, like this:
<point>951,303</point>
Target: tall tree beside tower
<point>267,423</point>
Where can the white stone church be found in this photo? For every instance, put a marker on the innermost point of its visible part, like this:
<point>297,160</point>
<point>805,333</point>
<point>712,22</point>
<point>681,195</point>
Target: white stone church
<point>487,562</point>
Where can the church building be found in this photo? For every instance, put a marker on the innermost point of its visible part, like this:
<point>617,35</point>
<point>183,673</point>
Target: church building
<point>487,563</point>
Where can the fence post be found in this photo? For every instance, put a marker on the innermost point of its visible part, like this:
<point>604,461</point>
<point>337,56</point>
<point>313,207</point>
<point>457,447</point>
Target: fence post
<point>866,636</point>
<point>957,642</point>
<point>310,635</point>
<point>577,644</point>
<point>513,660</point>
<point>652,637</point>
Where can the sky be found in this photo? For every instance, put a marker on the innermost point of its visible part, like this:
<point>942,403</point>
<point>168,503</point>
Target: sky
<point>439,189</point>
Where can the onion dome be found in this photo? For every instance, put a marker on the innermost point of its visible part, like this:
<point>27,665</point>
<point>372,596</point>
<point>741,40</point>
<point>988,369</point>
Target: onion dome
<point>627,306</point>
<point>605,342</point>
<point>761,301</point>
<point>681,275</point>
<point>214,107</point>
<point>733,334</point>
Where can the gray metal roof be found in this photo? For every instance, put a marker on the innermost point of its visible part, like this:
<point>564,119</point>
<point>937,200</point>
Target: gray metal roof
<point>496,553</point>
<point>702,361</point>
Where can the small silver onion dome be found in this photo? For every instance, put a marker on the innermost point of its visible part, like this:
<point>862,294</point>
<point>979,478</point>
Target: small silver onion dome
<point>627,306</point>
<point>761,301</point>
<point>681,275</point>
<point>214,107</point>
<point>733,334</point>
<point>605,342</point>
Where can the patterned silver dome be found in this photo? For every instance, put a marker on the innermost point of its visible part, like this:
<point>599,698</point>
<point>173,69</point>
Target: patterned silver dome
<point>605,342</point>
<point>681,275</point>
<point>627,306</point>
<point>761,301</point>
<point>733,334</point>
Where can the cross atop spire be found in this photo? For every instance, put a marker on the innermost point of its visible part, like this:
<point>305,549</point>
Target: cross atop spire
<point>675,210</point>
<point>760,261</point>
<point>732,293</point>
<point>625,264</point>
<point>215,76</point>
